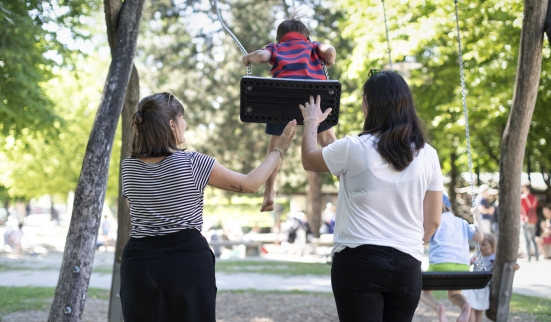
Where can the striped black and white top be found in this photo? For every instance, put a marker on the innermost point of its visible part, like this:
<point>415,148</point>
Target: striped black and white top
<point>167,196</point>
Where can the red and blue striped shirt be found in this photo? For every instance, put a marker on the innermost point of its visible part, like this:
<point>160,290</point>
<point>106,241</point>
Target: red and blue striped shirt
<point>296,57</point>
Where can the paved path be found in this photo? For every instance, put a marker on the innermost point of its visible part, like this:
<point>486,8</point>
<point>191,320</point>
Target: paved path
<point>43,270</point>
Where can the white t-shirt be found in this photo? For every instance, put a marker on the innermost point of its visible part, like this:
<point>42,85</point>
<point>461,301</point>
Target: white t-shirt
<point>378,205</point>
<point>450,242</point>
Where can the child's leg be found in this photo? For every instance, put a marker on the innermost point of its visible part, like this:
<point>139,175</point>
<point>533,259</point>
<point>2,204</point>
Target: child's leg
<point>269,186</point>
<point>430,301</point>
<point>476,316</point>
<point>458,299</point>
<point>326,137</point>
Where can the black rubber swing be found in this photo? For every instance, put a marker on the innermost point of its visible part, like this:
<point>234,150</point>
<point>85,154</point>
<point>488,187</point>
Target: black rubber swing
<point>455,280</point>
<point>276,100</point>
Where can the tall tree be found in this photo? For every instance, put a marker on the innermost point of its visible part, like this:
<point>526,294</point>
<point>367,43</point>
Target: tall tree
<point>70,294</point>
<point>112,14</point>
<point>513,147</point>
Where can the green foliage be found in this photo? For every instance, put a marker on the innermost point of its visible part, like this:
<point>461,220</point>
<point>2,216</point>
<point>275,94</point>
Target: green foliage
<point>425,31</point>
<point>53,167</point>
<point>29,48</point>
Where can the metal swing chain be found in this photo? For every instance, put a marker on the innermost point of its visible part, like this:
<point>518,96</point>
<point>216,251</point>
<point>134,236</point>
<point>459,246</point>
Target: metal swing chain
<point>215,4</point>
<point>478,263</point>
<point>387,38</point>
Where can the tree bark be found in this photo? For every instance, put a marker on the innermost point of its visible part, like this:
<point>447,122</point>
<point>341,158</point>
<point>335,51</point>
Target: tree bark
<point>76,268</point>
<point>514,141</point>
<point>454,174</point>
<point>314,197</point>
<point>112,14</point>
<point>123,212</point>
<point>548,22</point>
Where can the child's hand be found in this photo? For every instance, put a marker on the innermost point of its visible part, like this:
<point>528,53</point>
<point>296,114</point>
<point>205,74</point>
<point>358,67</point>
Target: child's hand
<point>516,267</point>
<point>328,64</point>
<point>245,60</point>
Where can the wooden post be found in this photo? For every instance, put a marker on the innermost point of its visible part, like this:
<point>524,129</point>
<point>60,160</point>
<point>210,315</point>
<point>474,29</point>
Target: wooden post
<point>514,141</point>
<point>78,256</point>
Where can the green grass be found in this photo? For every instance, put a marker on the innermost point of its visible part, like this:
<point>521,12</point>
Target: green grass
<point>13,299</point>
<point>538,306</point>
<point>273,267</point>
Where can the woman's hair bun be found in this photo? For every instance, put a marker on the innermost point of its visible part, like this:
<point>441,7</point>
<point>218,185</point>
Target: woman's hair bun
<point>138,117</point>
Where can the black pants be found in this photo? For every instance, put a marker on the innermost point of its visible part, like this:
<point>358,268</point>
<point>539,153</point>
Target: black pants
<point>375,283</point>
<point>168,278</point>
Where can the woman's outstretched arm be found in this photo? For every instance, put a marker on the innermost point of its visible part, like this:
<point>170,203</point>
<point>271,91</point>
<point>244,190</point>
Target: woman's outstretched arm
<point>229,180</point>
<point>312,159</point>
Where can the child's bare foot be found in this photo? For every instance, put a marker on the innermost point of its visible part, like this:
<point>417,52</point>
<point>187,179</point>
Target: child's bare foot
<point>268,202</point>
<point>465,312</point>
<point>441,313</point>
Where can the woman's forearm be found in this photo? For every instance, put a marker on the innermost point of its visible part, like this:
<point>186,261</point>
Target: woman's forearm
<point>309,142</point>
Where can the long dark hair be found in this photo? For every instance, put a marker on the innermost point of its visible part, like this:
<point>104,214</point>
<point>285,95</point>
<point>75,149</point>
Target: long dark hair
<point>392,118</point>
<point>153,136</point>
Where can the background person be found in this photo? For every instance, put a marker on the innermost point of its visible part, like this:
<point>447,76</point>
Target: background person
<point>449,252</point>
<point>529,219</point>
<point>389,202</point>
<point>167,269</point>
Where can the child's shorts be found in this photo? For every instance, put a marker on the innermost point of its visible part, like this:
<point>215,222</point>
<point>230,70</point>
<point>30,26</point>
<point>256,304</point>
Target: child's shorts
<point>448,267</point>
<point>547,240</point>
<point>277,129</point>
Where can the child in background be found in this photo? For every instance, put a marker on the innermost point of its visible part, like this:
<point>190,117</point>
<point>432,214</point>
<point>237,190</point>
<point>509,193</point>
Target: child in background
<point>292,56</point>
<point>480,299</point>
<point>449,252</point>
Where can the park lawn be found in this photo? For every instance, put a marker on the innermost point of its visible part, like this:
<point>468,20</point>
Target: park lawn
<point>29,298</point>
<point>538,306</point>
<point>272,267</point>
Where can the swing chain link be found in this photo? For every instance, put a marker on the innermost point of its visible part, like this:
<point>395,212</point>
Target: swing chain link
<point>479,265</point>
<point>215,4</point>
<point>387,37</point>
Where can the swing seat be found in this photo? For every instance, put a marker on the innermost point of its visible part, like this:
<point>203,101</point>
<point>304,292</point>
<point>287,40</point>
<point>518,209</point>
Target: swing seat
<point>276,100</point>
<point>455,280</point>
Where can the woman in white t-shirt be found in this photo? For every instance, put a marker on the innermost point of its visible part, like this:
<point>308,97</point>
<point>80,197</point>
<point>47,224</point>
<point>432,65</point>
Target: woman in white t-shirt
<point>389,203</point>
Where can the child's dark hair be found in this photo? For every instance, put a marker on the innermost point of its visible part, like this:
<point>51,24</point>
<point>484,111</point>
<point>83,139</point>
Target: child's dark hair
<point>290,25</point>
<point>153,136</point>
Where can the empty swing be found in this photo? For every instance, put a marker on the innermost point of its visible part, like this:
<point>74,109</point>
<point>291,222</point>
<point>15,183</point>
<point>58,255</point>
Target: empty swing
<point>276,100</point>
<point>454,280</point>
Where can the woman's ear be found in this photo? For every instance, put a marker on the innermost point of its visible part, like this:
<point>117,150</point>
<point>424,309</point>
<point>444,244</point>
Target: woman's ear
<point>172,126</point>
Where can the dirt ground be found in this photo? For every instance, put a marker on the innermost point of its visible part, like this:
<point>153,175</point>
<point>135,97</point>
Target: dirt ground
<point>259,307</point>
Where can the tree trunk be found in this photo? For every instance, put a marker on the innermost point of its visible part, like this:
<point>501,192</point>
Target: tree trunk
<point>112,14</point>
<point>548,23</point>
<point>453,182</point>
<point>123,212</point>
<point>76,268</point>
<point>514,143</point>
<point>315,181</point>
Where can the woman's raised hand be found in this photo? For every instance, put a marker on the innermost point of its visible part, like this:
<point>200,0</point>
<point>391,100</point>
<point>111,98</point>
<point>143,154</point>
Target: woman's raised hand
<point>312,110</point>
<point>284,141</point>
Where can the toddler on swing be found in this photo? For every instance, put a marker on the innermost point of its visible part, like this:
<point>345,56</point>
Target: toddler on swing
<point>449,252</point>
<point>292,56</point>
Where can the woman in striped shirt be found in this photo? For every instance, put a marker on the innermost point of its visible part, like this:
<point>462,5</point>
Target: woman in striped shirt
<point>167,269</point>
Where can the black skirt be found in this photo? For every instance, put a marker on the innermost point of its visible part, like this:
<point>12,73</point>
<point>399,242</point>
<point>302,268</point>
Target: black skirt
<point>168,278</point>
